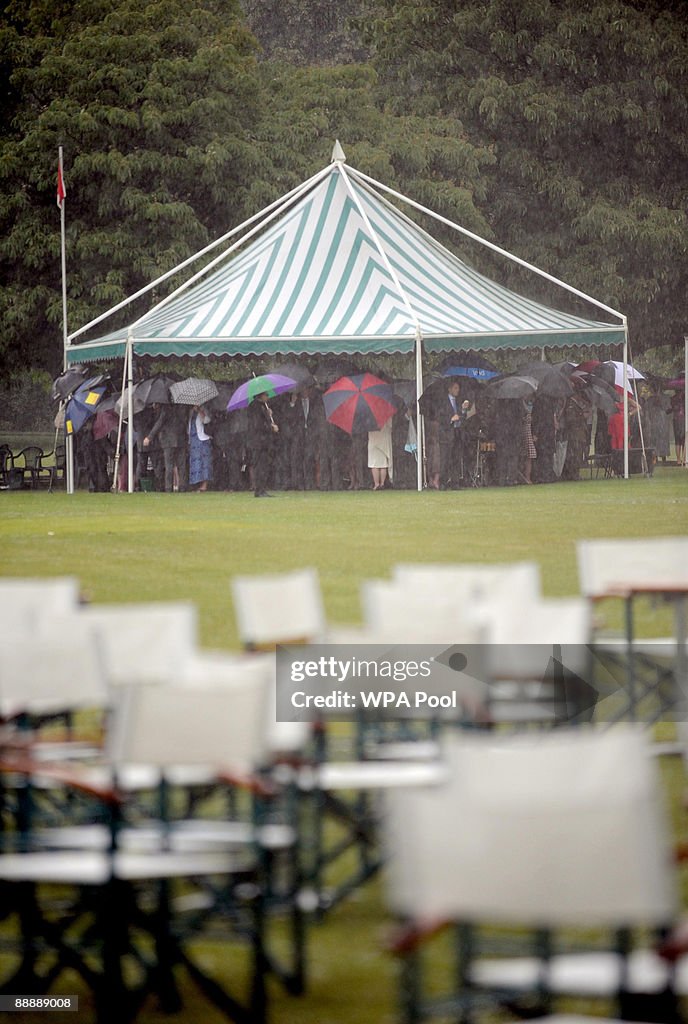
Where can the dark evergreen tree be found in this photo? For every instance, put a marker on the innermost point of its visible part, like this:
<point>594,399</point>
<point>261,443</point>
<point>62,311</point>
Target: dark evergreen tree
<point>584,104</point>
<point>154,104</point>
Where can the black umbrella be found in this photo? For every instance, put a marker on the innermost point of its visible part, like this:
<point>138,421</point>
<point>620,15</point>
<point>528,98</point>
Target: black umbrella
<point>327,373</point>
<point>406,391</point>
<point>303,377</point>
<point>513,386</point>
<point>152,391</point>
<point>432,397</point>
<point>600,398</point>
<point>67,383</point>
<point>553,381</point>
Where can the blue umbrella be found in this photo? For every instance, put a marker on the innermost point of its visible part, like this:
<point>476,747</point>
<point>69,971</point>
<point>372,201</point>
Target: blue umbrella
<point>83,404</point>
<point>474,372</point>
<point>469,364</point>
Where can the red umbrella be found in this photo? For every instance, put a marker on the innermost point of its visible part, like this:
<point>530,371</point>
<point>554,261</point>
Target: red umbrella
<point>359,403</point>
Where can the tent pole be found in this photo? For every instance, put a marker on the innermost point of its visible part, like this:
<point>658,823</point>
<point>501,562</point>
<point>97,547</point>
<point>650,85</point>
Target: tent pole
<point>420,422</point>
<point>295,192</point>
<point>490,245</point>
<point>115,471</point>
<point>685,394</point>
<point>625,399</point>
<point>61,197</point>
<point>130,422</point>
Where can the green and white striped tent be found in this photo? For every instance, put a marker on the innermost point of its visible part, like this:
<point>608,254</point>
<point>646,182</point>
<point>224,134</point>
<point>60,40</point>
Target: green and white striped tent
<point>336,268</point>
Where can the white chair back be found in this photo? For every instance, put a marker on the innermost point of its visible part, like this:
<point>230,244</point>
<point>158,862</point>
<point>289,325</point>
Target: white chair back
<point>473,582</point>
<point>57,668</point>
<point>220,724</point>
<point>608,567</point>
<point>522,636</point>
<point>545,830</point>
<point>395,612</point>
<point>144,642</point>
<point>279,608</point>
<point>25,602</point>
<point>212,668</point>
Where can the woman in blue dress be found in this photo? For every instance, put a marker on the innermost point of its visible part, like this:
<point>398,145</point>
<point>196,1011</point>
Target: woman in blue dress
<point>200,449</point>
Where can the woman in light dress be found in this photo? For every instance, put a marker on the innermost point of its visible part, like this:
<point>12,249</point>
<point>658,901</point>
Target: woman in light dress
<point>380,455</point>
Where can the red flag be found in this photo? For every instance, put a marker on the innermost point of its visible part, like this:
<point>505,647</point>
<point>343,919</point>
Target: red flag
<point>61,190</point>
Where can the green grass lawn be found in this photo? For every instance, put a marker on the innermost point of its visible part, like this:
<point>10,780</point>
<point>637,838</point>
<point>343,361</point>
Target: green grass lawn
<point>154,547</point>
<point>188,546</point>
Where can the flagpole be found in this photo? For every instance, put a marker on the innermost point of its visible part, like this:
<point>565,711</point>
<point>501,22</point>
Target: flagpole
<point>61,193</point>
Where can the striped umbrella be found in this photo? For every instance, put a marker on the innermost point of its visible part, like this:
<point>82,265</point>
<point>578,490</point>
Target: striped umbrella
<point>359,403</point>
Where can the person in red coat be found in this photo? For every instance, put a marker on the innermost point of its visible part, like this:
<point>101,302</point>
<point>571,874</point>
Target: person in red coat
<point>615,428</point>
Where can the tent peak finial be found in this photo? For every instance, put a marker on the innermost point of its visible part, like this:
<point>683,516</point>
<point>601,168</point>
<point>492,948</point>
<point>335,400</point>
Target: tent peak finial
<point>338,154</point>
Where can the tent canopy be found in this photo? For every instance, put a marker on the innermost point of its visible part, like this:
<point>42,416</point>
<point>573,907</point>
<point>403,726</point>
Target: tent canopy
<point>335,267</point>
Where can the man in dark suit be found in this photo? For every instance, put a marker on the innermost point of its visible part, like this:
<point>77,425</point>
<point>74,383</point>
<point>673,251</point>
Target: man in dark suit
<point>307,437</point>
<point>171,428</point>
<point>262,435</point>
<point>451,419</point>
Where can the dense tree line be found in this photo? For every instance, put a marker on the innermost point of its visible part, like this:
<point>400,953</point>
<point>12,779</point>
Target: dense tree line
<point>557,128</point>
<point>584,104</point>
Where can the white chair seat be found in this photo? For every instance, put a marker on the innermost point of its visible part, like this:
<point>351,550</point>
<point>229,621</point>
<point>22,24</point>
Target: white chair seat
<point>180,837</point>
<point>574,1018</point>
<point>91,867</point>
<point>593,975</point>
<point>345,775</point>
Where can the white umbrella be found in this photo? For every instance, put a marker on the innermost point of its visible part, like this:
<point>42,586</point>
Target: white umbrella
<point>193,391</point>
<point>633,374</point>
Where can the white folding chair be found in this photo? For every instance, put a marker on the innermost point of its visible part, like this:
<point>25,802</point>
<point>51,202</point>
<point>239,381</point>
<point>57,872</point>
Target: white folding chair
<point>473,586</point>
<point>538,660</point>
<point>24,601</point>
<point>541,832</point>
<point>54,667</point>
<point>130,875</point>
<point>649,678</point>
<point>278,608</point>
<point>144,642</point>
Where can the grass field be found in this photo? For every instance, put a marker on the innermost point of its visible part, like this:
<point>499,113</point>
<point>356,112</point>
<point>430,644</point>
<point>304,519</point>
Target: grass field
<point>188,546</point>
<point>155,546</point>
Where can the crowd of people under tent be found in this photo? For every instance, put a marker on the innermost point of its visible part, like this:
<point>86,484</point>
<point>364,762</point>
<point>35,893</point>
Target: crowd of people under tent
<point>482,428</point>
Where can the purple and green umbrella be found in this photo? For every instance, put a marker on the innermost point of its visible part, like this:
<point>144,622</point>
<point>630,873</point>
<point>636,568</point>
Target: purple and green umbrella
<point>271,384</point>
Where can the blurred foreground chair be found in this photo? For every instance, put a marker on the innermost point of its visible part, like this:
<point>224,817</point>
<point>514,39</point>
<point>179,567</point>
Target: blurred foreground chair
<point>535,843</point>
<point>648,679</point>
<point>124,902</point>
<point>337,798</point>
<point>143,642</point>
<point>26,605</point>
<point>538,661</point>
<point>278,608</point>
